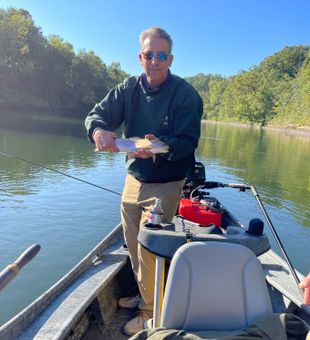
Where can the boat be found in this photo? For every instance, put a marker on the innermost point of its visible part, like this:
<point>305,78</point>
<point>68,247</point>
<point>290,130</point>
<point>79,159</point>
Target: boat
<point>83,303</point>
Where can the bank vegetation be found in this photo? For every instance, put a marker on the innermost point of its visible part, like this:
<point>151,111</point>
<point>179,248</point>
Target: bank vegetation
<point>277,91</point>
<point>45,75</point>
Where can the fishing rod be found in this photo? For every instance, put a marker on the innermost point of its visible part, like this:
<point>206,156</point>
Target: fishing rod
<point>14,268</point>
<point>277,238</point>
<point>58,172</point>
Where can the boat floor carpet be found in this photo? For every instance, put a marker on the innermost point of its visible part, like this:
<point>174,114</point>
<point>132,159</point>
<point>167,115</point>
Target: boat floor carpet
<point>112,330</point>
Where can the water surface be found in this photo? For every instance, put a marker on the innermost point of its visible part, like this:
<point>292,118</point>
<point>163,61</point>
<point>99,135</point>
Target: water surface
<point>68,218</point>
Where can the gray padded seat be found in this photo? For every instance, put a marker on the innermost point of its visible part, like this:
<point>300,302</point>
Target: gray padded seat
<point>214,286</point>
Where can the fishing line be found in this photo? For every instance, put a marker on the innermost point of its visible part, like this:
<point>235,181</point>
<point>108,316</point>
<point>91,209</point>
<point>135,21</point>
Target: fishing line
<point>58,172</point>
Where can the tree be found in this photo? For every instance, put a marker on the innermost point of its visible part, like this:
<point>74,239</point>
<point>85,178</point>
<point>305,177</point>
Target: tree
<point>293,105</point>
<point>252,96</point>
<point>214,98</point>
<point>45,74</point>
<point>90,80</point>
<point>21,46</point>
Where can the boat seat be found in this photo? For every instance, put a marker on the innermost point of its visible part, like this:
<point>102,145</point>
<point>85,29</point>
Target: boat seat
<point>214,286</point>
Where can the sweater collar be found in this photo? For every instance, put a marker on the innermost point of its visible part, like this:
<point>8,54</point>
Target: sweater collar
<point>146,87</point>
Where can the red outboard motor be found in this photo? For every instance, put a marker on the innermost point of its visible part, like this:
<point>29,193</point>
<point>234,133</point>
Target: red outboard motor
<point>195,204</point>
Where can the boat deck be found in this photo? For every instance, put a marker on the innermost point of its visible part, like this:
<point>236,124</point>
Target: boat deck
<point>87,308</point>
<point>112,330</point>
<point>103,320</point>
<point>285,295</point>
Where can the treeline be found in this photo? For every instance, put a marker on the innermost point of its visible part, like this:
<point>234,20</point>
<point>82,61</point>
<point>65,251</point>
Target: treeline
<point>45,75</point>
<point>39,74</point>
<point>276,91</point>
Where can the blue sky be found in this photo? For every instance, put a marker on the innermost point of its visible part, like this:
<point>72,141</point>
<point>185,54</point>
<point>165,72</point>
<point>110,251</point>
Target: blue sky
<point>219,36</point>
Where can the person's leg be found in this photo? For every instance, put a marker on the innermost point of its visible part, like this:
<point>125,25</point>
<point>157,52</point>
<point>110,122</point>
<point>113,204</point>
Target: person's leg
<point>130,218</point>
<point>169,193</point>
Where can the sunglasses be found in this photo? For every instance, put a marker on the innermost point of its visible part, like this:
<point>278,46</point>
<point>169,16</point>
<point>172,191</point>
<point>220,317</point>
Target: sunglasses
<point>160,56</point>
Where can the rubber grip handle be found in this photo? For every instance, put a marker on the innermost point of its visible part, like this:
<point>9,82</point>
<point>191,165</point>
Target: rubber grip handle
<point>13,269</point>
<point>27,255</point>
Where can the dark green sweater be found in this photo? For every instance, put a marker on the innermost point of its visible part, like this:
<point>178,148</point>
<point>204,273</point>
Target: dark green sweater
<point>172,113</point>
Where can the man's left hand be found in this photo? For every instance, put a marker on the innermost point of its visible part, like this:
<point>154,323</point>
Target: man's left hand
<point>143,153</point>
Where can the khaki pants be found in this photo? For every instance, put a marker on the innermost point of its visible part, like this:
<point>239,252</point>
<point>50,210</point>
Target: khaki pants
<point>137,200</point>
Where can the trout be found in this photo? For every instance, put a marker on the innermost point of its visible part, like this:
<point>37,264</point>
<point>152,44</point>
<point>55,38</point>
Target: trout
<point>135,143</point>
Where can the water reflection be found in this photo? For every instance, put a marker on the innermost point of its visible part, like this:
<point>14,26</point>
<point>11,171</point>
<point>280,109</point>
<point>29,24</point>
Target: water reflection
<point>66,217</point>
<point>275,163</point>
<point>37,122</point>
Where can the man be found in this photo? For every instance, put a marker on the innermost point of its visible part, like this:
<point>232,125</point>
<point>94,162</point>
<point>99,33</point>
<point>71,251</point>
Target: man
<point>156,104</point>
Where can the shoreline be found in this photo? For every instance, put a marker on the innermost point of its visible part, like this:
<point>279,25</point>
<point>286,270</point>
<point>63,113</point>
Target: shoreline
<point>302,131</point>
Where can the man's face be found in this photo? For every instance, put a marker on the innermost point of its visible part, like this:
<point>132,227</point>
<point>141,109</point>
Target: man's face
<point>155,70</point>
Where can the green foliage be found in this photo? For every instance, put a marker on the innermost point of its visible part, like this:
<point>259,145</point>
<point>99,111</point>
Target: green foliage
<point>211,88</point>
<point>201,81</point>
<point>293,105</point>
<point>214,97</point>
<point>21,44</point>
<point>45,74</point>
<point>275,91</point>
<point>247,99</point>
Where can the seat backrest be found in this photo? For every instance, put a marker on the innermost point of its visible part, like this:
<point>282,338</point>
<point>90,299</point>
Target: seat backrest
<point>214,286</point>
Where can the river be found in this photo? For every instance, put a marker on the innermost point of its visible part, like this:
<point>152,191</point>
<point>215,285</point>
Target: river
<point>67,218</point>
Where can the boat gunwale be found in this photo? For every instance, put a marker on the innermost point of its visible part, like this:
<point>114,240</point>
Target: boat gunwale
<point>26,316</point>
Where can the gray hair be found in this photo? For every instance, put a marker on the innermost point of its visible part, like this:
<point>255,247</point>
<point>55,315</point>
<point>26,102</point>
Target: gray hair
<point>155,32</point>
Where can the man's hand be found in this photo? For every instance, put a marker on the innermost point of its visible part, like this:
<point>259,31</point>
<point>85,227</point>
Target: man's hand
<point>143,153</point>
<point>105,140</point>
<point>150,136</point>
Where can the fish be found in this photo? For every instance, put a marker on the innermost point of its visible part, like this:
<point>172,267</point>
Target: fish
<point>135,143</point>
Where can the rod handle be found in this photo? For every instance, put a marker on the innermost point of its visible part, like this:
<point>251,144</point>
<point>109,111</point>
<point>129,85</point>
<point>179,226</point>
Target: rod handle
<point>27,255</point>
<point>9,273</point>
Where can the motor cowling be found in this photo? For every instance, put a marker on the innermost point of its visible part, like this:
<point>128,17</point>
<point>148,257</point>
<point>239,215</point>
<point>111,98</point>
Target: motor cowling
<point>204,212</point>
